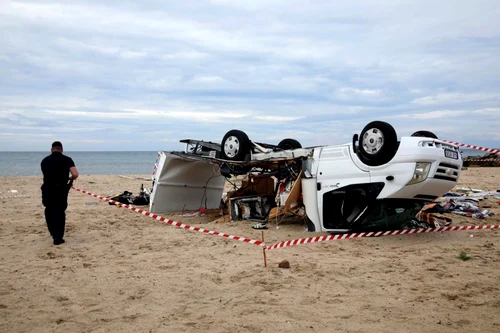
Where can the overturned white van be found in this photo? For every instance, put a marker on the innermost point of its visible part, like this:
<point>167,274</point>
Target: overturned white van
<point>374,182</point>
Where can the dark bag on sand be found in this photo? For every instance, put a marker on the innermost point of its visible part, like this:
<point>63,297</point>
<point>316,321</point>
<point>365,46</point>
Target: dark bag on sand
<point>127,198</point>
<point>124,198</point>
<point>140,200</point>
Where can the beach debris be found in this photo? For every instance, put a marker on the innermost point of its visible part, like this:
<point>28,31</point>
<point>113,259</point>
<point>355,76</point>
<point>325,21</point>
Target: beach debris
<point>202,211</point>
<point>190,214</point>
<point>464,204</point>
<point>432,220</point>
<point>469,189</point>
<point>140,178</point>
<point>471,192</point>
<point>13,191</point>
<point>284,264</point>
<point>127,198</point>
<point>91,203</point>
<point>454,194</point>
<point>124,198</point>
<point>465,207</point>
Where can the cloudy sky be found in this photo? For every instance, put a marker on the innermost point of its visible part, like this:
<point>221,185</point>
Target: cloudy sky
<point>124,75</point>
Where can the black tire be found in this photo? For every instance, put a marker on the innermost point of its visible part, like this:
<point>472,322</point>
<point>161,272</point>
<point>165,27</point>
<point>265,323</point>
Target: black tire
<point>286,144</point>
<point>425,134</point>
<point>378,143</point>
<point>235,146</point>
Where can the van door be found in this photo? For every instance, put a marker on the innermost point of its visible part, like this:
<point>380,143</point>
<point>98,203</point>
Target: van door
<point>336,172</point>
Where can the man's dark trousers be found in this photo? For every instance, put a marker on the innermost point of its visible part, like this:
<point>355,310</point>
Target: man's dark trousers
<point>55,200</point>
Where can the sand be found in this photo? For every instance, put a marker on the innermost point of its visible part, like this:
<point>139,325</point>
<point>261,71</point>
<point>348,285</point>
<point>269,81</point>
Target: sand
<point>122,272</point>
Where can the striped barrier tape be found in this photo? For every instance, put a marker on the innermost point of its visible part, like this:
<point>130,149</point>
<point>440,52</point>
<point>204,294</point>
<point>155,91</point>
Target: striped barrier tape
<point>171,222</point>
<point>489,150</point>
<point>481,159</point>
<point>373,234</point>
<point>288,243</point>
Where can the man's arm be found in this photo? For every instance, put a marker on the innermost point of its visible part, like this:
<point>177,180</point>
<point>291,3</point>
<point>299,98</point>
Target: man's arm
<point>74,172</point>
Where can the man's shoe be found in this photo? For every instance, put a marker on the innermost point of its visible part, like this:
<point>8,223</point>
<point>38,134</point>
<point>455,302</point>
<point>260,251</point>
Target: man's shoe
<point>58,241</point>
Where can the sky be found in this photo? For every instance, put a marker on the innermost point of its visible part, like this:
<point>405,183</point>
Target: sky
<point>141,75</point>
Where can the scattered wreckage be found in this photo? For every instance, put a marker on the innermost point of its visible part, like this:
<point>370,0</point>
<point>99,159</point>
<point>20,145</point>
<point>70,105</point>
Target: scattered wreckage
<point>374,182</point>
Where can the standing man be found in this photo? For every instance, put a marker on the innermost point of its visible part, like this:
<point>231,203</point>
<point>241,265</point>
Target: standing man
<point>57,181</point>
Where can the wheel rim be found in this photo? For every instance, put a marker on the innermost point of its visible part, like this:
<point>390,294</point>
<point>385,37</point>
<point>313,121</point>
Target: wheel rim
<point>373,140</point>
<point>231,146</point>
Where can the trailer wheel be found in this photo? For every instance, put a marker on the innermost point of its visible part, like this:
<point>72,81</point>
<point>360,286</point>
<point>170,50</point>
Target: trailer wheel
<point>235,145</point>
<point>378,143</point>
<point>425,134</point>
<point>286,144</point>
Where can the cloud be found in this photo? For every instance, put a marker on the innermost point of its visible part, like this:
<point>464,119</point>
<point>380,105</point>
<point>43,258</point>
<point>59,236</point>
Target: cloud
<point>456,98</point>
<point>24,134</point>
<point>98,73</point>
<point>448,114</point>
<point>190,115</point>
<point>277,118</point>
<point>356,93</point>
<point>208,79</point>
<point>152,115</point>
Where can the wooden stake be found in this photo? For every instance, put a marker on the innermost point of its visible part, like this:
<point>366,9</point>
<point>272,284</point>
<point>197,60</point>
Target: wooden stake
<point>264,251</point>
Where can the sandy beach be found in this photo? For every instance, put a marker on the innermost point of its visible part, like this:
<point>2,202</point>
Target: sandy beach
<point>120,271</point>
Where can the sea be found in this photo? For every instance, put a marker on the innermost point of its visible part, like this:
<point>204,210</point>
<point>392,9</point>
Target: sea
<point>97,162</point>
<point>87,162</point>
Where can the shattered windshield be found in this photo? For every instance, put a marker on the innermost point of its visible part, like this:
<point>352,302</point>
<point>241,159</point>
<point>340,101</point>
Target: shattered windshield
<point>389,214</point>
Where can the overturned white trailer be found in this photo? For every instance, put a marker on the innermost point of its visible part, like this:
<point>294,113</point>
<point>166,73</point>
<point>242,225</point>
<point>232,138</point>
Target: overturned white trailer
<point>182,182</point>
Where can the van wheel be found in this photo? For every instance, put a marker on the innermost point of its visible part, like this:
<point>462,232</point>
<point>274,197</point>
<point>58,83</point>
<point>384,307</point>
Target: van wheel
<point>425,134</point>
<point>378,143</point>
<point>286,144</point>
<point>235,146</point>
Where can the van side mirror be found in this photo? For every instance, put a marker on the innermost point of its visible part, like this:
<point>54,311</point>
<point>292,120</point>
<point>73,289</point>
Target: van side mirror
<point>355,139</point>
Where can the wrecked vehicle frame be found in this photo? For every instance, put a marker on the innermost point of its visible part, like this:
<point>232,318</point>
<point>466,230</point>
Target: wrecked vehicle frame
<point>375,182</point>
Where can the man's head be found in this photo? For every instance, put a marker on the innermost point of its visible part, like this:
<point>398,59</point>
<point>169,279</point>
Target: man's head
<point>57,146</point>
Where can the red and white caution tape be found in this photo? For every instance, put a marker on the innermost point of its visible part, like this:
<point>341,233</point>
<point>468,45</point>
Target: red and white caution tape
<point>467,159</point>
<point>489,150</point>
<point>289,243</point>
<point>374,234</point>
<point>171,222</point>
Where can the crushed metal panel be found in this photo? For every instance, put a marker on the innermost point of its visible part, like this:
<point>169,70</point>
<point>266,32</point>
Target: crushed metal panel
<point>188,184</point>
